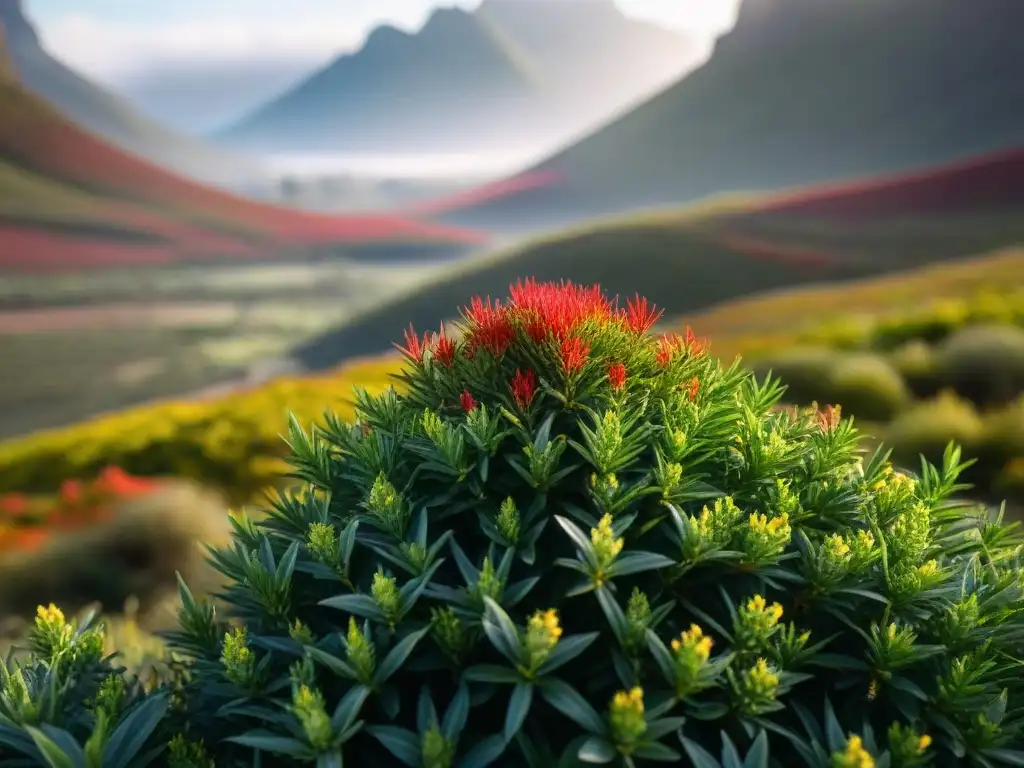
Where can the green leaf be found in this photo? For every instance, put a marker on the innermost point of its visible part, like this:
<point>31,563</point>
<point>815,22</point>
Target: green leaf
<point>566,650</point>
<point>597,750</point>
<point>579,538</point>
<point>397,656</point>
<point>518,708</point>
<point>757,757</point>
<point>358,605</point>
<point>1005,756</point>
<point>54,756</point>
<point>659,753</point>
<point>483,753</point>
<point>638,562</point>
<point>492,673</point>
<point>271,742</point>
<point>501,631</point>
<point>348,708</point>
<point>285,568</point>
<point>699,756</point>
<point>333,663</point>
<point>612,611</point>
<point>403,744</point>
<point>458,712</point>
<point>568,701</point>
<point>132,732</point>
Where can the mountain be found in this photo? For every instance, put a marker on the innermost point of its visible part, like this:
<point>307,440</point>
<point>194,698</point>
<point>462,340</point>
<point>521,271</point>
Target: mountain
<point>799,92</point>
<point>510,75</point>
<point>70,202</point>
<point>104,114</point>
<point>688,259</point>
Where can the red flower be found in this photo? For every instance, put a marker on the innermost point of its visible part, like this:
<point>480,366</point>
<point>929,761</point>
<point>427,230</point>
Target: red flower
<point>524,386</point>
<point>693,388</point>
<point>414,348</point>
<point>14,504</point>
<point>444,349</point>
<point>490,327</point>
<point>557,309</point>
<point>667,347</point>
<point>467,401</point>
<point>71,492</point>
<point>574,354</point>
<point>828,417</point>
<point>640,317</point>
<point>694,346</point>
<point>617,376</point>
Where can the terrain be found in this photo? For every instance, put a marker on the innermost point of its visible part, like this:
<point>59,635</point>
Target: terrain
<point>688,259</point>
<point>102,112</point>
<point>507,75</point>
<point>70,201</point>
<point>793,95</point>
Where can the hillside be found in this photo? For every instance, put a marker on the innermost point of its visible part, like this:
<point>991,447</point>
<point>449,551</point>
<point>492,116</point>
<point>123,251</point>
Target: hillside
<point>507,76</point>
<point>101,112</point>
<point>686,260</point>
<point>70,201</point>
<point>795,94</point>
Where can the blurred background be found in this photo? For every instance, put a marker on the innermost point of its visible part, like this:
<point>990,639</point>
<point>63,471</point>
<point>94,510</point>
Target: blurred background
<point>216,211</point>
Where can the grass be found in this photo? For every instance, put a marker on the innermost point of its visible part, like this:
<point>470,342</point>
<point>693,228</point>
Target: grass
<point>692,258</point>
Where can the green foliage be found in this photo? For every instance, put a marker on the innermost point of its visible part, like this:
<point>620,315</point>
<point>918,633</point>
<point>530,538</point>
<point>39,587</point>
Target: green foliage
<point>868,387</point>
<point>915,362</point>
<point>927,427</point>
<point>865,384</point>
<point>569,543</point>
<point>984,363</point>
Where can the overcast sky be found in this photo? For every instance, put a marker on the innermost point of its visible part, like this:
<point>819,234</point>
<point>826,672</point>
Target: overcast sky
<point>116,39</point>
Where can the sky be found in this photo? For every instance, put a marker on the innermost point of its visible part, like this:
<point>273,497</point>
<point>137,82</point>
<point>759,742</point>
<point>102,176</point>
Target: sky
<point>113,40</point>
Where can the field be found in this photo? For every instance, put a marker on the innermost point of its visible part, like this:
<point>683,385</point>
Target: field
<point>70,202</point>
<point>690,259</point>
<point>81,345</point>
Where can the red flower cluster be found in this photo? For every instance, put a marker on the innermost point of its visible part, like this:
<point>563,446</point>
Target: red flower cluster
<point>524,386</point>
<point>466,401</point>
<point>617,376</point>
<point>438,344</point>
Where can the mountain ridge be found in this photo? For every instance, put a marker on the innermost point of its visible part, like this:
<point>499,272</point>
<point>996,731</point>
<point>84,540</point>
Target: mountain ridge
<point>469,81</point>
<point>105,114</point>
<point>793,95</point>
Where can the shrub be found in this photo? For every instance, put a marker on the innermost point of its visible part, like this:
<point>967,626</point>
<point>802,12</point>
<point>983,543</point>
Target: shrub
<point>915,362</point>
<point>984,363</point>
<point>232,444</point>
<point>931,325</point>
<point>867,386</point>
<point>804,370</point>
<point>927,427</point>
<point>570,543</point>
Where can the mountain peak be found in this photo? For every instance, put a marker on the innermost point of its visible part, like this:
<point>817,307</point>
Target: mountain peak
<point>16,25</point>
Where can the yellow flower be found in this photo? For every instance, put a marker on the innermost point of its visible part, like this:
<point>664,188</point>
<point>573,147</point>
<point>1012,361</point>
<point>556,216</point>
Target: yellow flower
<point>928,569</point>
<point>756,604</point>
<point>836,548</point>
<point>626,716</point>
<point>694,640</point>
<point>542,634</point>
<point>854,756</point>
<point>762,676</point>
<point>50,615</point>
<point>606,546</point>
<point>923,743</point>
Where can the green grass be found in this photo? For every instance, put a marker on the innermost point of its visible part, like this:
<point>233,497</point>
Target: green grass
<point>687,260</point>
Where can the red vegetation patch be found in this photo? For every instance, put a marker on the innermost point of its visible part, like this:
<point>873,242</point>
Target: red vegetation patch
<point>488,193</point>
<point>146,199</point>
<point>984,182</point>
<point>27,523</point>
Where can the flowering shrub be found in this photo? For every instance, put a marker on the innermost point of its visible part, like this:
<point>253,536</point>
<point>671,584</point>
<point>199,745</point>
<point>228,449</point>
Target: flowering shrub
<point>571,543</point>
<point>27,523</point>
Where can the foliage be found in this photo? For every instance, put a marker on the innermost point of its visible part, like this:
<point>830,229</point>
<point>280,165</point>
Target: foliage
<point>984,363</point>
<point>571,543</point>
<point>27,523</point>
<point>868,386</point>
<point>232,444</point>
